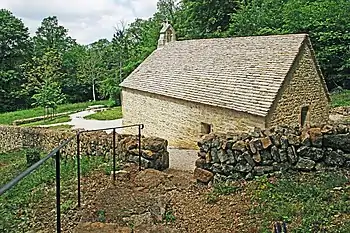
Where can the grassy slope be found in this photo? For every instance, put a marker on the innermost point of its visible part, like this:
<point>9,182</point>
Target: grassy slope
<point>312,202</point>
<point>9,117</point>
<point>110,114</point>
<point>34,196</point>
<point>341,99</point>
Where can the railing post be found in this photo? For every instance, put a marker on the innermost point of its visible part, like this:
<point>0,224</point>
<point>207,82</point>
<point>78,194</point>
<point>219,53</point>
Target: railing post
<point>139,137</point>
<point>114,154</point>
<point>78,167</point>
<point>58,192</point>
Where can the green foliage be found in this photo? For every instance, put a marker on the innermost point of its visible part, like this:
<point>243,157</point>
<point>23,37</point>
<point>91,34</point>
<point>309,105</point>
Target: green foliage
<point>15,51</point>
<point>224,189</point>
<point>341,99</point>
<point>220,189</point>
<point>110,114</point>
<point>211,198</point>
<point>101,215</point>
<point>308,201</point>
<point>49,96</point>
<point>204,18</point>
<point>67,205</point>
<point>51,36</point>
<point>32,156</point>
<point>169,216</point>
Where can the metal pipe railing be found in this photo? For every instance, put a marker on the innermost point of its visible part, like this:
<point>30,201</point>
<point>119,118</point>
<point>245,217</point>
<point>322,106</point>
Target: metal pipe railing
<point>29,170</point>
<point>58,192</point>
<point>56,152</point>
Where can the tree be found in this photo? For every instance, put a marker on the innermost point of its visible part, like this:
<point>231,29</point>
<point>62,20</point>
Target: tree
<point>52,36</point>
<point>93,68</point>
<point>73,86</point>
<point>166,9</point>
<point>49,96</point>
<point>45,68</point>
<point>15,51</point>
<point>204,18</point>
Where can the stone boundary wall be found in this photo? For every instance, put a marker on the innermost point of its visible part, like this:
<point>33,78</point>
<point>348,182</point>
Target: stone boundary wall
<point>154,150</point>
<point>344,110</point>
<point>232,156</point>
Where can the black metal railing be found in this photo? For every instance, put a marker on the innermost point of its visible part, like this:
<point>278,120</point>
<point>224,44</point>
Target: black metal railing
<point>56,153</point>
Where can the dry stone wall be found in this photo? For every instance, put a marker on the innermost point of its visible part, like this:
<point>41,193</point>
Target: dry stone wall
<point>226,157</point>
<point>154,149</point>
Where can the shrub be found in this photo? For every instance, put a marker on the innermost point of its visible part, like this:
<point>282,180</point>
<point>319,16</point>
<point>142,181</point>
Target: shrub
<point>32,155</point>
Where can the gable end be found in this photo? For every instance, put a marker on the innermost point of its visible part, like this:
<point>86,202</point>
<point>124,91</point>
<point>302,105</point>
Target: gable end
<point>303,86</point>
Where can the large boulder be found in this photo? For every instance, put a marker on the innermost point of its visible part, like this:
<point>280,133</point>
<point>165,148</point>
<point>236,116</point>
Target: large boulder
<point>203,175</point>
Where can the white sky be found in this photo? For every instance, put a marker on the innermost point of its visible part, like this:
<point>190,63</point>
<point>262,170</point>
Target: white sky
<point>86,20</point>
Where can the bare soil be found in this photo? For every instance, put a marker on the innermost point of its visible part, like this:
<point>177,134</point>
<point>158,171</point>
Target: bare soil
<point>123,206</point>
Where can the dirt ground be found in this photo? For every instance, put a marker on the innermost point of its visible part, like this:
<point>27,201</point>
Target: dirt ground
<point>138,202</point>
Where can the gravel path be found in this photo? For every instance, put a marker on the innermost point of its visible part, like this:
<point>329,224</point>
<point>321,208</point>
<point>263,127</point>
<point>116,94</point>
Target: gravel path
<point>180,159</point>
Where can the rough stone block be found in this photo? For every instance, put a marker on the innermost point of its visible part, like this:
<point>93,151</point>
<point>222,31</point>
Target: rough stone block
<point>337,141</point>
<point>275,154</point>
<point>316,137</point>
<point>334,158</point>
<point>305,164</point>
<point>203,175</point>
<point>266,142</point>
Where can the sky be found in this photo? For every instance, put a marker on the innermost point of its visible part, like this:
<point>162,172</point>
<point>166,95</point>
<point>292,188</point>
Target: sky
<point>86,20</point>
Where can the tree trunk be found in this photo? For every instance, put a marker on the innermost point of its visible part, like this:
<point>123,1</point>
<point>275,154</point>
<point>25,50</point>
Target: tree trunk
<point>93,90</point>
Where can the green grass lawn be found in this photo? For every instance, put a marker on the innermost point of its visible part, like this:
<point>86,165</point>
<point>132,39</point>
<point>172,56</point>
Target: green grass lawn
<point>8,117</point>
<point>312,202</point>
<point>49,121</point>
<point>110,114</point>
<point>341,99</point>
<point>33,198</point>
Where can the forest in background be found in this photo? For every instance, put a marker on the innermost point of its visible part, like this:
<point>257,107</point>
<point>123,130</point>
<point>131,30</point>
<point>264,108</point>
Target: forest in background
<point>50,67</point>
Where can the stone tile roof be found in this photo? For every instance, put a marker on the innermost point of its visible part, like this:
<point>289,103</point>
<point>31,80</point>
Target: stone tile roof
<point>241,73</point>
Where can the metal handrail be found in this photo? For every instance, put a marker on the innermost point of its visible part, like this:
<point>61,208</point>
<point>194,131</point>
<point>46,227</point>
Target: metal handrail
<point>36,165</point>
<point>56,152</point>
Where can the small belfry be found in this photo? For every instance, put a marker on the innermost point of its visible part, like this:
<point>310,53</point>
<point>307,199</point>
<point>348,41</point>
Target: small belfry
<point>167,34</point>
